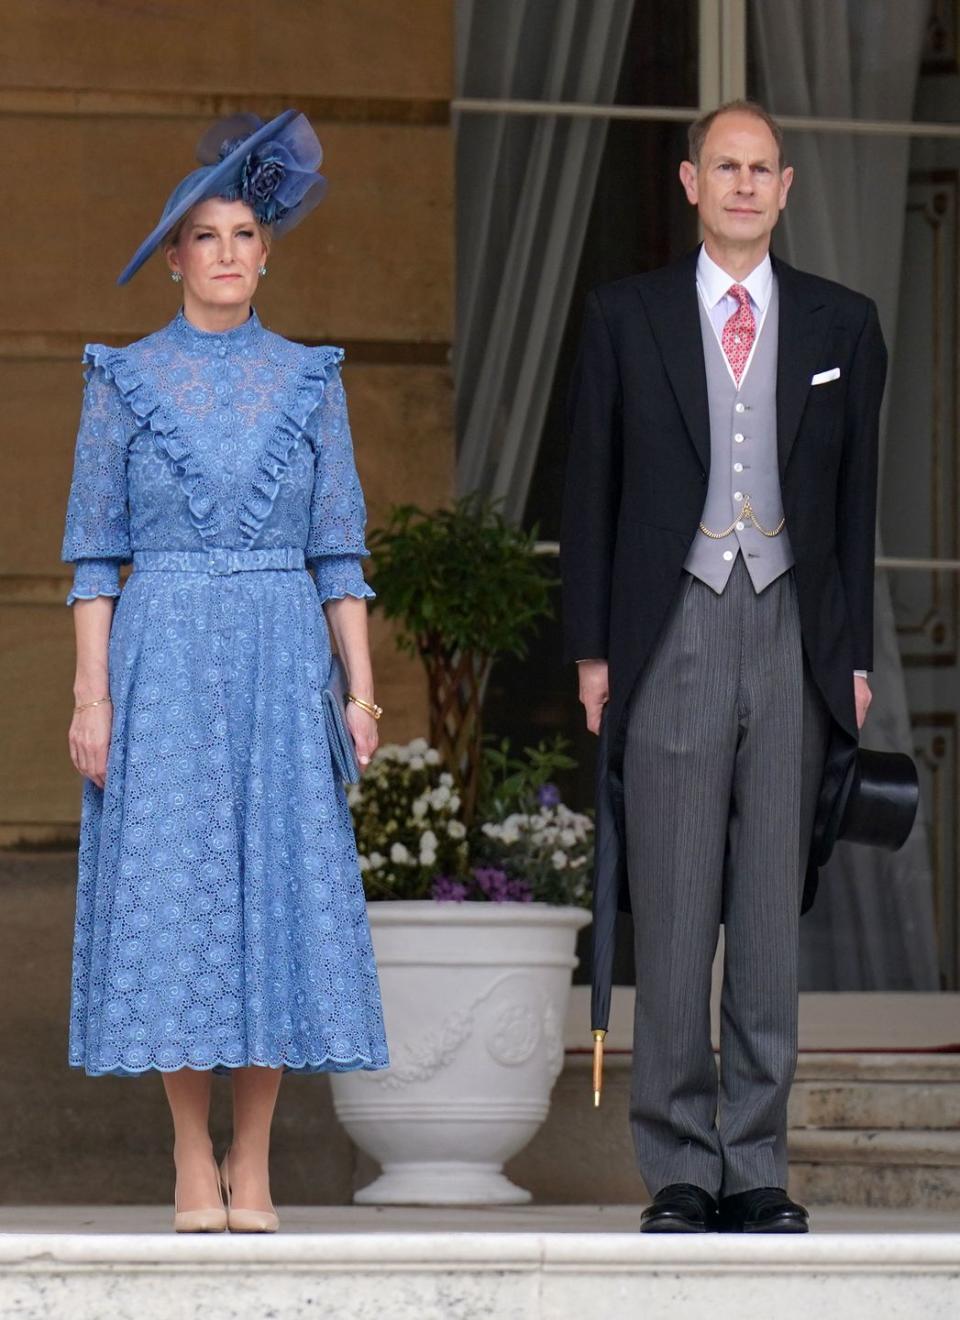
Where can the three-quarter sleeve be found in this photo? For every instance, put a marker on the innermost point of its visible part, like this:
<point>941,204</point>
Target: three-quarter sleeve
<point>97,535</point>
<point>335,545</point>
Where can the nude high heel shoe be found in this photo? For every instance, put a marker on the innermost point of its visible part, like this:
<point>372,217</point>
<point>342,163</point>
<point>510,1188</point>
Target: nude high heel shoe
<point>246,1221</point>
<point>211,1219</point>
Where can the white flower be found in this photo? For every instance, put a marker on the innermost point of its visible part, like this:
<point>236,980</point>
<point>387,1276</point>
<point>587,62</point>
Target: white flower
<point>428,858</point>
<point>376,861</point>
<point>489,828</point>
<point>418,746</point>
<point>509,835</point>
<point>568,838</point>
<point>558,860</point>
<point>457,830</point>
<point>416,762</point>
<point>432,756</point>
<point>428,840</point>
<point>419,808</point>
<point>440,797</point>
<point>398,853</point>
<point>454,803</point>
<point>363,862</point>
<point>446,779</point>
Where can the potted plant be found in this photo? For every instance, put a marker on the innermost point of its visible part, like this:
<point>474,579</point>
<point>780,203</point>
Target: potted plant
<point>462,585</point>
<point>476,873</point>
<point>474,932</point>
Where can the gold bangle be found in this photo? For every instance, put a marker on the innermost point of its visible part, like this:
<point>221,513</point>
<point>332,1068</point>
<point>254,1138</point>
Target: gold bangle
<point>88,705</point>
<point>370,707</point>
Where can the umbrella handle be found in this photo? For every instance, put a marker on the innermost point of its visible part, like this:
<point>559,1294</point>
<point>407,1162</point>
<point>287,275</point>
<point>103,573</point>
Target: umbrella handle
<point>598,1039</point>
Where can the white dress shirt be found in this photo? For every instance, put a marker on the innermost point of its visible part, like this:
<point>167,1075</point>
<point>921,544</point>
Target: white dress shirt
<point>713,286</point>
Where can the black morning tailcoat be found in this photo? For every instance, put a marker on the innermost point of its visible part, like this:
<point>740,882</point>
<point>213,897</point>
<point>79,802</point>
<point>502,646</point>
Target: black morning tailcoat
<point>637,479</point>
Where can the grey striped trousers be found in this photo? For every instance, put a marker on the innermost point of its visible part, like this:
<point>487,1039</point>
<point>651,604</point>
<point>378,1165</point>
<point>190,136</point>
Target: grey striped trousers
<point>724,751</point>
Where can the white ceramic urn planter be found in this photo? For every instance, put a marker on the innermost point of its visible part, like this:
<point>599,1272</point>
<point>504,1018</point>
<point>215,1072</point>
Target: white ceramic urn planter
<point>475,999</point>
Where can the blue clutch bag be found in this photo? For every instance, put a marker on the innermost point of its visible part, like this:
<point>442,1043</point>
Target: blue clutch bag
<point>342,749</point>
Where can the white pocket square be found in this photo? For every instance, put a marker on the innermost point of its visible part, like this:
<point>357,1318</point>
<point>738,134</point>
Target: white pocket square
<point>822,377</point>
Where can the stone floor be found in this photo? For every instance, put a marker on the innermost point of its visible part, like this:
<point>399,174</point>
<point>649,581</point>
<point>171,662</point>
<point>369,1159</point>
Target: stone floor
<point>313,1219</point>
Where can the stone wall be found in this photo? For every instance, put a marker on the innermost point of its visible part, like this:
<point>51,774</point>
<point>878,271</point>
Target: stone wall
<point>102,104</point>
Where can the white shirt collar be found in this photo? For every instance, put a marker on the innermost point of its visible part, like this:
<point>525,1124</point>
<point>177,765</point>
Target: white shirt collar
<point>715,282</point>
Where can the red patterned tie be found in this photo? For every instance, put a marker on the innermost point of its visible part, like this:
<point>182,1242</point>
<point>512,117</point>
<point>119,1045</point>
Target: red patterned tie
<point>739,332</point>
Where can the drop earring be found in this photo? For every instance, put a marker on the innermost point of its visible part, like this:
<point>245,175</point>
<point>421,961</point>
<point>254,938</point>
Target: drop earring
<point>176,276</point>
<point>262,270</point>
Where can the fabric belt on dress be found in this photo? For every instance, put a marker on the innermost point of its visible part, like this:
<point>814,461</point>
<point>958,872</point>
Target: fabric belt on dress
<point>218,560</point>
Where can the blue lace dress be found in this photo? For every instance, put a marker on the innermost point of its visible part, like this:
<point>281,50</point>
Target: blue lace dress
<point>220,913</point>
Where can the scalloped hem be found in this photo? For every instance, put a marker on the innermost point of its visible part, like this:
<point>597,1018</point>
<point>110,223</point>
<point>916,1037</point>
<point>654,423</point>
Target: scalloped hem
<point>224,1066</point>
<point>367,593</point>
<point>92,595</point>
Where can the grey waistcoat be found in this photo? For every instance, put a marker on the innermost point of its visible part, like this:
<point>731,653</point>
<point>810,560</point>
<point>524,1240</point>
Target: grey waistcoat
<point>743,432</point>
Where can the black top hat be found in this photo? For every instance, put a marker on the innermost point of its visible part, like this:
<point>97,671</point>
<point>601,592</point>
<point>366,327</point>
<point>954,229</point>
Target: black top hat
<point>876,803</point>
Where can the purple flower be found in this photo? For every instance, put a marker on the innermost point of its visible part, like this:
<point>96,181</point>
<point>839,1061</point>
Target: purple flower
<point>447,890</point>
<point>498,887</point>
<point>548,795</point>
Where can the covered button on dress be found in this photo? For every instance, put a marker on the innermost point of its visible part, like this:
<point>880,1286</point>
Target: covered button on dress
<point>220,919</point>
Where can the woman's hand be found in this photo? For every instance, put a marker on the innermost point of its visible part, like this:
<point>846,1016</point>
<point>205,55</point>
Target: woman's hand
<point>363,730</point>
<point>89,740</point>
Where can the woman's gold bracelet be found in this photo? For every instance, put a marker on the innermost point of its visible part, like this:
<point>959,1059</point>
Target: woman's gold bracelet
<point>87,705</point>
<point>370,707</point>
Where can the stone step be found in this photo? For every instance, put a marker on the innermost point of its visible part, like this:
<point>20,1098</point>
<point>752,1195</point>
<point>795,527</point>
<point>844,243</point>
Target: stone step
<point>879,1066</point>
<point>879,1167</point>
<point>878,1186</point>
<point>855,1104</point>
<point>891,1146</point>
<point>868,1091</point>
<point>519,1268</point>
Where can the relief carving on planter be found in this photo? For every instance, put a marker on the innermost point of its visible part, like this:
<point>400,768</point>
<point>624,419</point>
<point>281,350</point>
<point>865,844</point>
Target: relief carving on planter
<point>521,1020</point>
<point>514,1034</point>
<point>433,1052</point>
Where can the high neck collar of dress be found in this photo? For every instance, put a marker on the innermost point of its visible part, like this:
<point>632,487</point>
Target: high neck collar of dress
<point>236,337</point>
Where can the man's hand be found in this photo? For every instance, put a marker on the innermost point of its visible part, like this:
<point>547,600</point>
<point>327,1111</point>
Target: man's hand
<point>862,696</point>
<point>594,690</point>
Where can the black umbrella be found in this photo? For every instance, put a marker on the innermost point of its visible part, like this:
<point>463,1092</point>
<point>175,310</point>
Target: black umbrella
<point>610,895</point>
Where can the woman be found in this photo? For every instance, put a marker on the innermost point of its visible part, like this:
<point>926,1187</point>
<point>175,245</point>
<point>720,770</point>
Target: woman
<point>221,923</point>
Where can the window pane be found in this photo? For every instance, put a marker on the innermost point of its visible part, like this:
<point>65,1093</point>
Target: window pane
<point>619,51</point>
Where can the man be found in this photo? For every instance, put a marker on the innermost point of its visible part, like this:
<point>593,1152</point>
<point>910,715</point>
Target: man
<point>717,561</point>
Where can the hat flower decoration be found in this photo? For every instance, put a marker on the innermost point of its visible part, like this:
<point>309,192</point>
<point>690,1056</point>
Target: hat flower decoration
<point>272,167</point>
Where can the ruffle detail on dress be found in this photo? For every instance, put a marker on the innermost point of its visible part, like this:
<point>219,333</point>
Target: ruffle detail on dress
<point>95,577</point>
<point>152,417</point>
<point>75,595</point>
<point>290,430</point>
<point>337,576</point>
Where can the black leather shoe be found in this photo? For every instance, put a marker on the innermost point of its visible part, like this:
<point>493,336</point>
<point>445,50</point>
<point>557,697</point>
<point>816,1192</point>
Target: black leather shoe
<point>680,1208</point>
<point>763,1210</point>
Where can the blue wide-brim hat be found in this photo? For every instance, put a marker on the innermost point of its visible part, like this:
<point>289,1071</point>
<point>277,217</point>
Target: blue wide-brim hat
<point>272,167</point>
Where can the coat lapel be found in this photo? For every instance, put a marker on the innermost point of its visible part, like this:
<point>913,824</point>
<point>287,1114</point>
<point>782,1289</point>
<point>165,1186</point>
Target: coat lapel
<point>804,321</point>
<point>671,305</point>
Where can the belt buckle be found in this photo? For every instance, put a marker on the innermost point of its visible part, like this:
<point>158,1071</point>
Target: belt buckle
<point>219,561</point>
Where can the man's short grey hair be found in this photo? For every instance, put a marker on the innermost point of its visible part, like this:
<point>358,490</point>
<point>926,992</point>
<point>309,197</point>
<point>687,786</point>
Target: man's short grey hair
<point>699,129</point>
